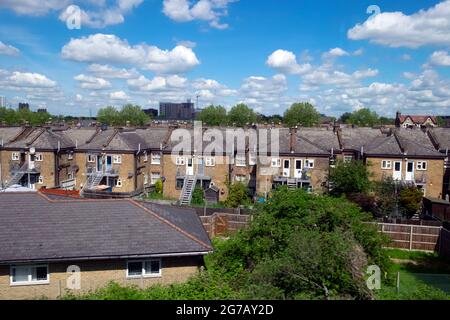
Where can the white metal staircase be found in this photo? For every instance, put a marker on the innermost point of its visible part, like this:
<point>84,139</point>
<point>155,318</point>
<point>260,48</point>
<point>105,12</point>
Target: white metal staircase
<point>93,180</point>
<point>188,190</point>
<point>18,175</point>
<point>292,183</point>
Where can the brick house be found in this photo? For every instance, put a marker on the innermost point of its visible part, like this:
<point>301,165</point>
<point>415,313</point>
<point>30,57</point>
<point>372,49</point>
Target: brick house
<point>440,137</point>
<point>409,121</point>
<point>37,158</point>
<point>45,240</point>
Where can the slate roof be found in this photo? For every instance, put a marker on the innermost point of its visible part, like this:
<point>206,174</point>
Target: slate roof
<point>8,133</point>
<point>35,228</point>
<point>442,137</point>
<point>316,141</point>
<point>42,138</point>
<point>416,142</point>
<point>357,138</point>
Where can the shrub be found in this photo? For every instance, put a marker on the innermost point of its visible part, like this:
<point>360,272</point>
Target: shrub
<point>237,196</point>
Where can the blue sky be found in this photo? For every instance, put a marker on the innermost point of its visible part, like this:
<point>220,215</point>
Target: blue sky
<point>267,54</point>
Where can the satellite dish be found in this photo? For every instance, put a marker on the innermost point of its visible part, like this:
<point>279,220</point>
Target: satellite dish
<point>32,150</point>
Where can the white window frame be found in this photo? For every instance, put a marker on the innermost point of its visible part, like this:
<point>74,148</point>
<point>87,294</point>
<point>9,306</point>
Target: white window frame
<point>252,159</point>
<point>91,158</point>
<point>210,162</point>
<point>309,163</point>
<point>117,159</point>
<point>240,179</point>
<point>41,180</point>
<point>70,175</point>
<point>154,180</point>
<point>15,156</point>
<point>348,159</point>
<point>419,165</point>
<point>119,183</point>
<point>276,162</point>
<point>240,160</point>
<point>39,157</point>
<point>143,273</point>
<point>180,161</point>
<point>70,156</point>
<point>156,158</point>
<point>145,156</point>
<point>30,275</point>
<point>386,164</point>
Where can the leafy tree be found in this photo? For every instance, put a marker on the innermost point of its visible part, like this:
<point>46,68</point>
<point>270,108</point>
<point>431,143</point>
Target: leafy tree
<point>109,115</point>
<point>387,201</point>
<point>303,114</point>
<point>238,195</point>
<point>410,200</point>
<point>363,118</point>
<point>241,115</point>
<point>349,177</point>
<point>441,122</point>
<point>276,118</point>
<point>386,121</point>
<point>134,114</point>
<point>345,117</point>
<point>198,197</point>
<point>213,116</point>
<point>159,186</point>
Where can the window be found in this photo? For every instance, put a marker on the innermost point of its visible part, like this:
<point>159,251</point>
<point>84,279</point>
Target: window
<point>41,180</point>
<point>156,158</point>
<point>422,165</point>
<point>348,159</point>
<point>15,156</point>
<point>276,163</point>
<point>39,157</point>
<point>180,161</point>
<point>210,161</point>
<point>145,156</point>
<point>180,184</point>
<point>70,175</point>
<point>309,164</point>
<point>155,177</point>
<point>90,158</point>
<point>240,178</point>
<point>70,156</point>
<point>240,160</point>
<point>26,274</point>
<point>117,159</point>
<point>252,159</point>
<point>118,183</point>
<point>146,268</point>
<point>386,164</point>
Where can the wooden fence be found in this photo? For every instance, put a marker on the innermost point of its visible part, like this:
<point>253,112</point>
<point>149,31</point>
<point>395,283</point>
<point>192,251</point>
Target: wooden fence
<point>415,237</point>
<point>224,224</point>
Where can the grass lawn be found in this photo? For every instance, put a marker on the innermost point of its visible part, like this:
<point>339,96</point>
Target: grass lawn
<point>423,276</point>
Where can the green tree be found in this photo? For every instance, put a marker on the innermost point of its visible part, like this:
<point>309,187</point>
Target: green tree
<point>349,177</point>
<point>303,114</point>
<point>238,195</point>
<point>213,116</point>
<point>410,200</point>
<point>241,115</point>
<point>345,117</point>
<point>387,200</point>
<point>198,197</point>
<point>363,118</point>
<point>441,122</point>
<point>159,187</point>
<point>109,116</point>
<point>133,114</point>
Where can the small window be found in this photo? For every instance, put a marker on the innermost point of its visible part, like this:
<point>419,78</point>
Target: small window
<point>252,159</point>
<point>90,158</point>
<point>180,161</point>
<point>422,165</point>
<point>309,164</point>
<point>70,156</point>
<point>348,159</point>
<point>155,177</point>
<point>240,160</point>
<point>15,156</point>
<point>180,184</point>
<point>26,274</point>
<point>146,268</point>
<point>41,180</point>
<point>70,175</point>
<point>117,159</point>
<point>386,164</point>
<point>210,161</point>
<point>39,157</point>
<point>118,183</point>
<point>276,163</point>
<point>240,178</point>
<point>145,156</point>
<point>156,158</point>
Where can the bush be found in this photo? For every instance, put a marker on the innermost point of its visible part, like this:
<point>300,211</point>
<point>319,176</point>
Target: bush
<point>198,197</point>
<point>238,195</point>
<point>159,187</point>
<point>349,177</point>
<point>410,200</point>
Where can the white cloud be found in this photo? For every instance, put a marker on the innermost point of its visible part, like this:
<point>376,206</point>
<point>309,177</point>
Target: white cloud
<point>206,10</point>
<point>396,29</point>
<point>109,72</point>
<point>406,57</point>
<point>440,58</point>
<point>8,50</point>
<point>33,7</point>
<point>157,83</point>
<point>334,53</point>
<point>286,62</point>
<point>30,80</point>
<point>118,95</point>
<point>92,83</point>
<point>103,48</point>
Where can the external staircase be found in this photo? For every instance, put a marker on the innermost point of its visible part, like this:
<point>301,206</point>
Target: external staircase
<point>18,175</point>
<point>188,190</point>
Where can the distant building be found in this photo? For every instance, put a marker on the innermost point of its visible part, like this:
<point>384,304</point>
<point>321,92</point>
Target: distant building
<point>24,106</point>
<point>2,101</point>
<point>42,110</point>
<point>177,111</point>
<point>151,112</point>
<point>408,121</point>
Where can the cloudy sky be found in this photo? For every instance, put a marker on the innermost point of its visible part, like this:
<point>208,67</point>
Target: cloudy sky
<point>340,55</point>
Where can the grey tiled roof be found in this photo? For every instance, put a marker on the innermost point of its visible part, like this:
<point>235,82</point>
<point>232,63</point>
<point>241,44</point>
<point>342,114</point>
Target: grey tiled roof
<point>35,228</point>
<point>8,133</point>
<point>357,138</point>
<point>42,138</point>
<point>416,142</point>
<point>316,141</point>
<point>442,135</point>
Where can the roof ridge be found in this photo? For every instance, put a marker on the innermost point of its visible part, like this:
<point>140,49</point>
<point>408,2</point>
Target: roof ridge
<point>37,137</point>
<point>170,224</point>
<point>314,144</point>
<point>419,144</point>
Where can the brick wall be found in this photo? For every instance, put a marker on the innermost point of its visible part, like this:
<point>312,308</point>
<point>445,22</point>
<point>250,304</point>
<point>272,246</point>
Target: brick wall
<point>97,274</point>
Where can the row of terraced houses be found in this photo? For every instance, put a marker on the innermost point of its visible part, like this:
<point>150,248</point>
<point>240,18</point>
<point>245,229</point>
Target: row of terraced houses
<point>124,162</point>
